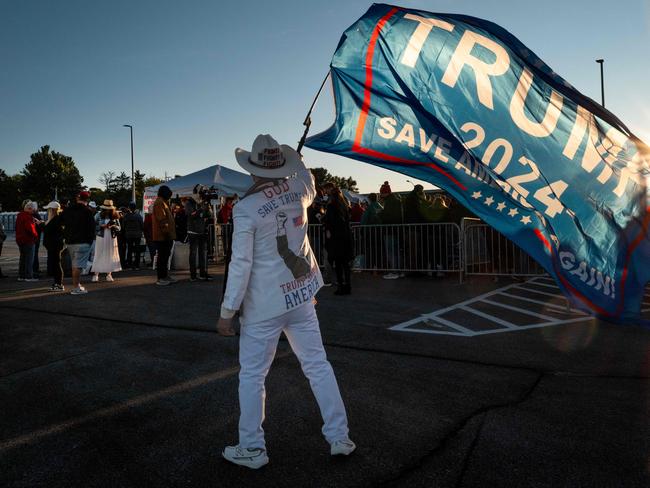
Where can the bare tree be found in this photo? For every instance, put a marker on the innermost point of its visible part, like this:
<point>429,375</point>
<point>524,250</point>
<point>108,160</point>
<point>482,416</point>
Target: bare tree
<point>107,179</point>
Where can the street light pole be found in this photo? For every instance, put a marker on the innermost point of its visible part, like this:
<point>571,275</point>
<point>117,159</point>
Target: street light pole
<point>132,167</point>
<point>602,81</point>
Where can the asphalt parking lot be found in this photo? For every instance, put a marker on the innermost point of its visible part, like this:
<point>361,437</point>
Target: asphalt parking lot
<point>130,386</point>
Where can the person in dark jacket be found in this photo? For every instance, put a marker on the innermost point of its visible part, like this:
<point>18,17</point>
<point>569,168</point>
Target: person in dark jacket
<point>53,242</point>
<point>391,215</point>
<point>198,216</point>
<point>132,227</point>
<point>3,238</point>
<point>180,222</point>
<point>78,233</point>
<point>338,240</point>
<point>26,236</point>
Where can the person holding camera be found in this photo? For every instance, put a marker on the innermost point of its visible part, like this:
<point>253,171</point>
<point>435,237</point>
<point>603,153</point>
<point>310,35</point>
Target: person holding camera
<point>198,216</point>
<point>107,254</point>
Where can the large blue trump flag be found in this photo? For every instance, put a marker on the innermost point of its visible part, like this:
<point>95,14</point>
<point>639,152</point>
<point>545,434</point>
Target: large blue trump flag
<point>461,103</point>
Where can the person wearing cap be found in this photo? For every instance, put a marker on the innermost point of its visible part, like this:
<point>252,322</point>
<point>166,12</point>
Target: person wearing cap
<point>53,242</point>
<point>107,255</point>
<point>273,277</point>
<point>78,233</point>
<point>26,235</point>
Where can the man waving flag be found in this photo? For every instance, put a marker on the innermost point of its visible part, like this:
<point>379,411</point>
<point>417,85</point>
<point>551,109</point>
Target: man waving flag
<point>461,103</point>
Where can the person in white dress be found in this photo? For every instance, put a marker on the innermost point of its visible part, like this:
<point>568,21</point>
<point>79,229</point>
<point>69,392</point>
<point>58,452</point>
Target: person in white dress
<point>107,256</point>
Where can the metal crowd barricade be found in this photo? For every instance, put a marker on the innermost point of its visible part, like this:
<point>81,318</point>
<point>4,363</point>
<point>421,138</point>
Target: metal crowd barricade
<point>474,248</point>
<point>219,240</point>
<point>8,220</point>
<point>432,247</point>
<point>487,252</point>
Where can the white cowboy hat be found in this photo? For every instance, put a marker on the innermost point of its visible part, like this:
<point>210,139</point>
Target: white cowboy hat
<point>53,204</point>
<point>268,159</point>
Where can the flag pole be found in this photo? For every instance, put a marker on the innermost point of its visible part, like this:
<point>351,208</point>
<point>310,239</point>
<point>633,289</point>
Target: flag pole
<point>307,121</point>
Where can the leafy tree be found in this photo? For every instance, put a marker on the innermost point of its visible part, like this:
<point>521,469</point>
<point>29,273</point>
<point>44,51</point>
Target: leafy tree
<point>48,172</point>
<point>151,181</point>
<point>10,192</point>
<point>322,176</point>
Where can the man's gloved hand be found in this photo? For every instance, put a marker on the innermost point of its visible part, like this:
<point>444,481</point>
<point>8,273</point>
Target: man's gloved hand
<point>281,219</point>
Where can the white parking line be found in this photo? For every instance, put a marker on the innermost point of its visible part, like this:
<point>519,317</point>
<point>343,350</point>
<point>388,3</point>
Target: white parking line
<point>491,318</point>
<point>559,308</point>
<point>433,323</point>
<point>520,310</point>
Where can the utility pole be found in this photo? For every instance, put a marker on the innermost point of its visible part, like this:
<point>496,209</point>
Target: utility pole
<point>602,81</point>
<point>132,167</point>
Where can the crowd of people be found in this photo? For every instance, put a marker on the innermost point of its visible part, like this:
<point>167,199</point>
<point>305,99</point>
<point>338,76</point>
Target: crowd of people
<point>381,250</point>
<point>102,240</point>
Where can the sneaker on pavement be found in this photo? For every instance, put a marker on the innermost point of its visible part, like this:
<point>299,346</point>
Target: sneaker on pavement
<point>391,276</point>
<point>344,447</point>
<point>193,278</point>
<point>56,287</point>
<point>327,283</point>
<point>207,278</point>
<point>251,458</point>
<point>95,278</point>
<point>21,279</point>
<point>80,290</point>
<point>109,278</point>
<point>31,280</point>
<point>171,280</point>
<point>163,282</point>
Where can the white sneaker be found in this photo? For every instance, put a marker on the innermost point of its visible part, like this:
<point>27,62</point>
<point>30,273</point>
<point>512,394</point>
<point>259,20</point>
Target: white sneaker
<point>344,447</point>
<point>251,458</point>
<point>391,276</point>
<point>79,291</point>
<point>163,282</point>
<point>95,278</point>
<point>109,278</point>
<point>31,280</point>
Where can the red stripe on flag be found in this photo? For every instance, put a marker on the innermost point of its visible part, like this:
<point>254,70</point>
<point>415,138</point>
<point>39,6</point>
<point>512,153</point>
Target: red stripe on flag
<point>365,109</point>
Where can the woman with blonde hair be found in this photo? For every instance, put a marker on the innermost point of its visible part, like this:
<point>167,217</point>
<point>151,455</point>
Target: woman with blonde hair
<point>53,242</point>
<point>107,255</point>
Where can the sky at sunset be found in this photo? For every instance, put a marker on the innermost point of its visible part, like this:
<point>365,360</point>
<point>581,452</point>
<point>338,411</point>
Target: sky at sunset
<point>198,78</point>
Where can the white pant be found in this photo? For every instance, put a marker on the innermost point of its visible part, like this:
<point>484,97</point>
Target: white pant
<point>257,345</point>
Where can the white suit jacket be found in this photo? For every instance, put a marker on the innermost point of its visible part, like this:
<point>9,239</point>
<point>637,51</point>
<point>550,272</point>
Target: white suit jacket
<point>273,269</point>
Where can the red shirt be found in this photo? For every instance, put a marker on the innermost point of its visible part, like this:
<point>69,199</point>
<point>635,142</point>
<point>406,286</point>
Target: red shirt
<point>225,213</point>
<point>356,212</point>
<point>26,229</point>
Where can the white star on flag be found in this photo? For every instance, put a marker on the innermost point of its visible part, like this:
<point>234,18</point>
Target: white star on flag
<point>513,212</point>
<point>501,206</point>
<point>476,195</point>
<point>489,201</point>
<point>525,220</point>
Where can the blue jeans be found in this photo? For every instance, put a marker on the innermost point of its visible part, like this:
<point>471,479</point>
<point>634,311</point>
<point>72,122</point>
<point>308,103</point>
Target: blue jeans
<point>393,256</point>
<point>26,262</point>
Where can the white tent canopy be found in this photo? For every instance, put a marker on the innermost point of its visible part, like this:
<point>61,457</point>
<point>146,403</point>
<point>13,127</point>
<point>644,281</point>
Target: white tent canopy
<point>226,181</point>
